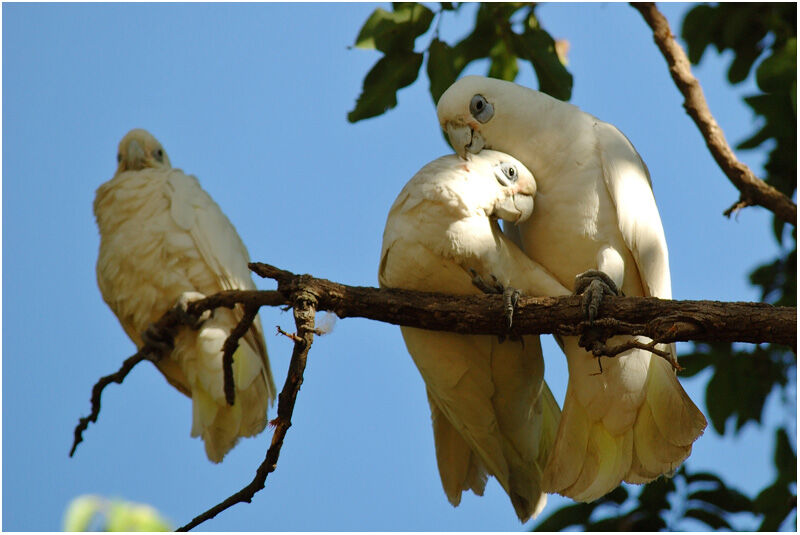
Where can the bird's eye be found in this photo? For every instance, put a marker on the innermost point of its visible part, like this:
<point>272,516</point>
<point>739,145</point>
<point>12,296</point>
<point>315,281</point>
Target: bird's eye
<point>480,108</point>
<point>511,172</point>
<point>119,157</point>
<point>159,155</point>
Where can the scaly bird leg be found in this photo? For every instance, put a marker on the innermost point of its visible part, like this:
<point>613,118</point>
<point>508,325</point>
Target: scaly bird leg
<point>593,285</point>
<point>163,339</point>
<point>510,295</point>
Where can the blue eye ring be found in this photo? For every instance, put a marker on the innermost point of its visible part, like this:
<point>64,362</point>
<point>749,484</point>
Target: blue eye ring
<point>481,109</point>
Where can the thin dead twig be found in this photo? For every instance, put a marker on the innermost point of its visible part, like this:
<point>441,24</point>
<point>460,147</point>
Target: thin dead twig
<point>97,392</point>
<point>229,348</point>
<point>167,324</point>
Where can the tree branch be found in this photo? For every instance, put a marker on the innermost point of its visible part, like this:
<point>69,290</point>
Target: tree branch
<point>659,319</point>
<point>753,190</point>
<point>663,321</point>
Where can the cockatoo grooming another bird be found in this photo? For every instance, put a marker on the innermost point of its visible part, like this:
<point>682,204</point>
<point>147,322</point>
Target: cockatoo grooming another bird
<point>164,241</point>
<point>492,412</point>
<point>595,210</point>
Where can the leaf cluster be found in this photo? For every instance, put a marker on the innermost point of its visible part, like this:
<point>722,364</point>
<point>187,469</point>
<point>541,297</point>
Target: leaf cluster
<point>762,38</point>
<point>503,33</point>
<point>95,513</point>
<point>702,496</point>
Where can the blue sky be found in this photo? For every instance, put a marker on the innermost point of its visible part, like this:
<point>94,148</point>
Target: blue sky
<point>252,99</point>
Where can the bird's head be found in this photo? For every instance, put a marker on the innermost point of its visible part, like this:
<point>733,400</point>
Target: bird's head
<point>482,113</point>
<point>512,182</point>
<point>139,150</point>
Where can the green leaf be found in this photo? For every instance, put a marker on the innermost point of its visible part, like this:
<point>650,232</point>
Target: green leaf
<point>617,496</point>
<point>755,140</point>
<point>395,31</point>
<point>695,31</point>
<point>741,65</point>
<point>720,398</point>
<point>504,62</point>
<point>565,517</point>
<point>128,516</point>
<point>777,72</point>
<point>653,497</point>
<point>96,513</point>
<point>391,73</point>
<point>536,45</point>
<point>702,477</point>
<point>442,68</point>
<point>708,518</point>
<point>694,363</point>
<point>80,513</point>
<point>776,503</point>
<point>724,498</point>
<point>785,457</point>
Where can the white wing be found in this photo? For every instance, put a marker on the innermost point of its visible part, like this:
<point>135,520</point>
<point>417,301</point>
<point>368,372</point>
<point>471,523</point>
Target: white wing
<point>220,247</point>
<point>628,182</point>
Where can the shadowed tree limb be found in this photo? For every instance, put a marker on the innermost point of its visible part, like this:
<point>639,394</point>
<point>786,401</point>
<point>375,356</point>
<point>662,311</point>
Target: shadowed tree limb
<point>753,190</point>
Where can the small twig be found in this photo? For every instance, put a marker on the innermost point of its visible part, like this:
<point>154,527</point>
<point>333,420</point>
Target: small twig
<point>168,323</point>
<point>291,336</point>
<point>229,348</point>
<point>753,190</point>
<point>738,205</point>
<point>146,353</point>
<point>304,310</point>
<point>599,349</point>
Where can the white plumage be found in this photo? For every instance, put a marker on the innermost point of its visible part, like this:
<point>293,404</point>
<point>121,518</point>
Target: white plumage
<point>492,412</point>
<point>163,238</point>
<point>594,210</point>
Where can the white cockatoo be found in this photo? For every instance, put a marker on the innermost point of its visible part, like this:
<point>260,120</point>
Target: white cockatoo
<point>492,412</point>
<point>595,210</point>
<point>164,241</point>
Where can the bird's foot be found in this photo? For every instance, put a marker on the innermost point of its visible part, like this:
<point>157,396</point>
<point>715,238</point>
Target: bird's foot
<point>593,285</point>
<point>510,296</point>
<point>182,309</point>
<point>488,288</point>
<point>159,338</point>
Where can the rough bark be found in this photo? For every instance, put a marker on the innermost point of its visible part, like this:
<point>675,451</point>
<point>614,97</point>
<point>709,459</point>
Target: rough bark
<point>659,319</point>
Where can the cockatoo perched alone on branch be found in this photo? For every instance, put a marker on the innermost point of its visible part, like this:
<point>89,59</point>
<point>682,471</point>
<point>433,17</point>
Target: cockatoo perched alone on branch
<point>492,412</point>
<point>163,240</point>
<point>595,210</point>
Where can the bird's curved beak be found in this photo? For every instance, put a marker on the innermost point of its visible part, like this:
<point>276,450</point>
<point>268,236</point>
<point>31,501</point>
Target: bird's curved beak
<point>464,139</point>
<point>134,156</point>
<point>514,208</point>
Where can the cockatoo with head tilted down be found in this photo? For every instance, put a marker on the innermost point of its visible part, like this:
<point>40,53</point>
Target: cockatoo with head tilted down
<point>595,210</point>
<point>164,241</point>
<point>492,412</point>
